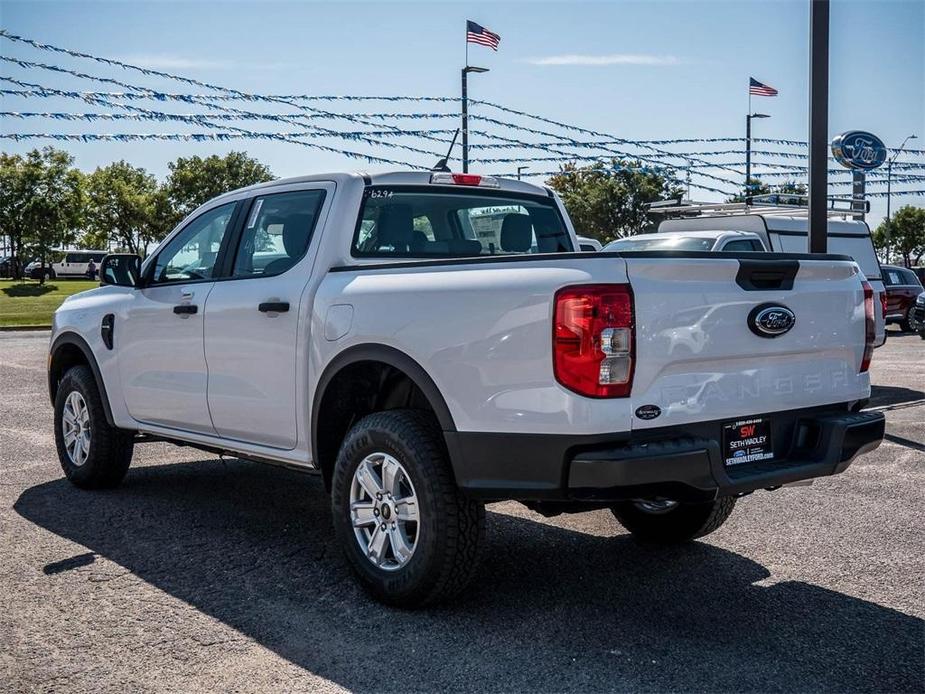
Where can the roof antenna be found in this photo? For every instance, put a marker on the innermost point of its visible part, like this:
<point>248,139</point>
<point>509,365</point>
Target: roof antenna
<point>441,164</point>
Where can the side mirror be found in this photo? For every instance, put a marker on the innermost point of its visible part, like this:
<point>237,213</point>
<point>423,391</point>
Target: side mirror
<point>121,269</point>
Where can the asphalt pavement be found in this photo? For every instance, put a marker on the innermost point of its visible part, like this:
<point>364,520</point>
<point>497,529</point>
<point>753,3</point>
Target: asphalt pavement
<point>200,574</point>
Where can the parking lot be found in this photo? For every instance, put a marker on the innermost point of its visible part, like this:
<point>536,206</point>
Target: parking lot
<point>203,574</point>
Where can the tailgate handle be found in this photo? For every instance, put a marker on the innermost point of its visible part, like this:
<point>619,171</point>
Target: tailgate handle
<point>763,275</point>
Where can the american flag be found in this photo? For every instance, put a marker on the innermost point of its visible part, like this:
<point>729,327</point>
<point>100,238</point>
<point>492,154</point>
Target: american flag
<point>758,89</point>
<point>476,33</point>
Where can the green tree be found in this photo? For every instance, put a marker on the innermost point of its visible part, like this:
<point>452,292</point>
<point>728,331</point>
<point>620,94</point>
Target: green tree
<point>194,180</point>
<point>42,202</point>
<point>121,208</point>
<point>607,201</point>
<point>758,187</point>
<point>12,207</point>
<point>907,235</point>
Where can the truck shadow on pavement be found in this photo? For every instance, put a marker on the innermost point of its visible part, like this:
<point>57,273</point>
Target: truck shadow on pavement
<point>552,609</point>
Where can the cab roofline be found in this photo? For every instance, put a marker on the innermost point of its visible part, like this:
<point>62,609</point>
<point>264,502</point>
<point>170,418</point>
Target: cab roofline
<point>386,178</point>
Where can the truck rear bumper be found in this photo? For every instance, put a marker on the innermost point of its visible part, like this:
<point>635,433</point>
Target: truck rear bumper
<point>682,463</point>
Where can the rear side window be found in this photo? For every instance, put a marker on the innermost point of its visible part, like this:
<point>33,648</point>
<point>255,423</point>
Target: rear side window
<point>277,232</point>
<point>416,223</point>
<point>743,245</point>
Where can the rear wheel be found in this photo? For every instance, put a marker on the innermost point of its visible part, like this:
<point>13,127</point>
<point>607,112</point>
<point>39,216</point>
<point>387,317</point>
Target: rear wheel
<point>92,453</point>
<point>664,521</point>
<point>409,534</point>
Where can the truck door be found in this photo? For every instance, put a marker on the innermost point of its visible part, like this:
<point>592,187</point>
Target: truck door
<point>257,320</point>
<point>159,338</point>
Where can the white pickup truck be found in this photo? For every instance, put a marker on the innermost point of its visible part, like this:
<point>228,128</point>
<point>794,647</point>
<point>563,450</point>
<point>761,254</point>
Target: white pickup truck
<point>432,342</point>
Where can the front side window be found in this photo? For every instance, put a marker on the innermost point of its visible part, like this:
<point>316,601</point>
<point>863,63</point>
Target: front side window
<point>415,223</point>
<point>277,232</point>
<point>191,254</point>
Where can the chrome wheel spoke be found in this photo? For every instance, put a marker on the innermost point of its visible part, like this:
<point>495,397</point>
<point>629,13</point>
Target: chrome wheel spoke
<point>406,510</point>
<point>363,514</point>
<point>368,479</point>
<point>390,475</point>
<point>400,547</point>
<point>377,545</point>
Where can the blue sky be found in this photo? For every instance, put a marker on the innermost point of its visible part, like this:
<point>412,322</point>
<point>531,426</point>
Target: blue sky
<point>639,70</point>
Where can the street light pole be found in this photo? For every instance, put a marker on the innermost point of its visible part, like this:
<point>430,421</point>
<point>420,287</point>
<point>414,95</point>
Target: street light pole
<point>519,169</point>
<point>465,113</point>
<point>889,190</point>
<point>817,215</point>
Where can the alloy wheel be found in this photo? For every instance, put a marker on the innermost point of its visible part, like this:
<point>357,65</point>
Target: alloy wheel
<point>384,511</point>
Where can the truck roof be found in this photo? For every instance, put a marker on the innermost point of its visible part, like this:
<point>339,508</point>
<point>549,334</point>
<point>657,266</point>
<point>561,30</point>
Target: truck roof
<point>397,178</point>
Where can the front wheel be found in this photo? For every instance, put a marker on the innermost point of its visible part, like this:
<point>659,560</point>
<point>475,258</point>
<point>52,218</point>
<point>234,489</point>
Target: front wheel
<point>408,533</point>
<point>663,521</point>
<point>93,454</point>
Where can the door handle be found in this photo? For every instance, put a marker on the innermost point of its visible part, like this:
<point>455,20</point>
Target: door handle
<point>185,309</point>
<point>273,307</point>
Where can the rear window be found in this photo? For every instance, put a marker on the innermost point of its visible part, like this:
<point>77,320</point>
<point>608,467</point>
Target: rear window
<point>416,223</point>
<point>859,247</point>
<point>663,243</point>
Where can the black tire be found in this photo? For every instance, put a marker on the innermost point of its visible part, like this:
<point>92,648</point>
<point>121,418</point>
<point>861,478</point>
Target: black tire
<point>904,325</point>
<point>680,523</point>
<point>451,529</point>
<point>110,450</point>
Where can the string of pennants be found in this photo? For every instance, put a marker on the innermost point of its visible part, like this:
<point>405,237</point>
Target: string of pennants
<point>381,130</point>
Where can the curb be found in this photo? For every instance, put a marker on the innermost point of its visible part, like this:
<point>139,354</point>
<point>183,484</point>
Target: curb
<point>23,328</point>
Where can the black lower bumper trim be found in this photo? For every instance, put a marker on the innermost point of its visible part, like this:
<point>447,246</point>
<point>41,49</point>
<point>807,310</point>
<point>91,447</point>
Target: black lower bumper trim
<point>683,463</point>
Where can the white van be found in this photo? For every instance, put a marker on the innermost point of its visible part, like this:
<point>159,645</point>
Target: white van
<point>788,234</point>
<point>66,264</point>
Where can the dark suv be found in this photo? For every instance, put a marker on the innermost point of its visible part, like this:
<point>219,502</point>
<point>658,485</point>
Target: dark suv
<point>902,289</point>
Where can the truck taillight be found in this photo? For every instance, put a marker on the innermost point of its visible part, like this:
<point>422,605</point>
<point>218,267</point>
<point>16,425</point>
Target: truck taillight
<point>883,304</point>
<point>594,339</point>
<point>870,331</point>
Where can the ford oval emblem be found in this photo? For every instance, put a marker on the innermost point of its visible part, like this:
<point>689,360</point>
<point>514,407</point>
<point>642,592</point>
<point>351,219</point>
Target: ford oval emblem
<point>648,411</point>
<point>771,320</point>
<point>857,149</point>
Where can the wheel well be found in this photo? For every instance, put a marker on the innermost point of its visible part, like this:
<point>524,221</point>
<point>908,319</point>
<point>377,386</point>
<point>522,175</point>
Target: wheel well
<point>70,350</point>
<point>65,357</point>
<point>356,390</point>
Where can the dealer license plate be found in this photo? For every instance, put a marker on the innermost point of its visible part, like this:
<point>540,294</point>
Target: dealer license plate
<point>747,441</point>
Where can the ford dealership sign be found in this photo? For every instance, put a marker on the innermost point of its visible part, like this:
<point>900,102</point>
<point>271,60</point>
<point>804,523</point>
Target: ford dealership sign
<point>857,149</point>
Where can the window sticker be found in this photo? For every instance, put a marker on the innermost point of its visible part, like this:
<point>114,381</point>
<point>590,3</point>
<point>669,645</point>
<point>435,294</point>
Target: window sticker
<point>378,193</point>
<point>256,211</point>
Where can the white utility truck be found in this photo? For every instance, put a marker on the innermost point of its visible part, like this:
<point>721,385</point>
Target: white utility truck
<point>429,342</point>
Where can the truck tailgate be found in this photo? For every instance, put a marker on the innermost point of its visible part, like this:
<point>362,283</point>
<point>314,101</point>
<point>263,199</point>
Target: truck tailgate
<point>701,356</point>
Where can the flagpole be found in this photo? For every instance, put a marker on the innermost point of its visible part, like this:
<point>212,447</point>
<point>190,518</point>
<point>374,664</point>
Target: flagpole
<point>465,115</point>
<point>465,108</point>
<point>748,141</point>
